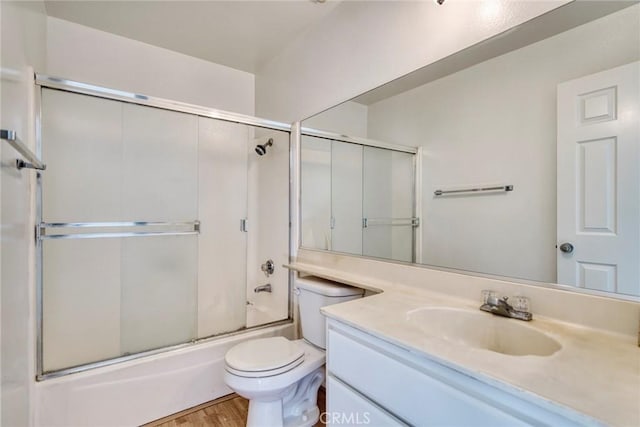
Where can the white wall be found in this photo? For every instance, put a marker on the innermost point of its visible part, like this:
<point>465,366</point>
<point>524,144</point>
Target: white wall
<point>496,123</point>
<point>87,55</point>
<point>23,30</point>
<point>349,118</point>
<point>361,45</point>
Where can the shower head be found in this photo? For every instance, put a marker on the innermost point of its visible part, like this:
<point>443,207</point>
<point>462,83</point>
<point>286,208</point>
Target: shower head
<point>261,149</point>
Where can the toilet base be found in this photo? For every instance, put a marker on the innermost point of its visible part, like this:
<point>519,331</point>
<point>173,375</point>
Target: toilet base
<point>264,413</point>
<point>298,408</point>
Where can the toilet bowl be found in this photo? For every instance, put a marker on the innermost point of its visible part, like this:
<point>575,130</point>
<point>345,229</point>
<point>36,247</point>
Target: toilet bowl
<point>282,386</point>
<point>281,377</point>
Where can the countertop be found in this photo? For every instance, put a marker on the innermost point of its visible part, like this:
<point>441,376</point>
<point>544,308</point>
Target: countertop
<point>595,373</point>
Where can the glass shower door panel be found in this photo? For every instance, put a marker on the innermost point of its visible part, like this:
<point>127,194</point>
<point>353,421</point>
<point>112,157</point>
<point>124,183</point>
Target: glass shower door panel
<point>82,147</point>
<point>222,266</point>
<point>159,291</point>
<point>346,197</point>
<point>160,165</point>
<point>81,301</point>
<point>160,183</point>
<point>316,192</point>
<point>388,204</point>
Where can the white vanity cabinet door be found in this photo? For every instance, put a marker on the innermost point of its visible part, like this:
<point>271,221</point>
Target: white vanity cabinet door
<point>348,408</point>
<point>421,392</point>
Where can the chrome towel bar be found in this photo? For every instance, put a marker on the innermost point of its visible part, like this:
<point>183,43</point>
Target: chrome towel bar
<point>32,160</point>
<point>474,190</point>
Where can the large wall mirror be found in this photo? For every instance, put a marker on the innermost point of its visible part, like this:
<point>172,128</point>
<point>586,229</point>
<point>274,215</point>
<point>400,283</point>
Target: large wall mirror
<point>517,157</point>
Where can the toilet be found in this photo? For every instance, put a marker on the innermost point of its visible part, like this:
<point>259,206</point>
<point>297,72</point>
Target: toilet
<point>281,377</point>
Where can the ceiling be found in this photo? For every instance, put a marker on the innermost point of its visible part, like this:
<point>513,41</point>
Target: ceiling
<point>239,34</point>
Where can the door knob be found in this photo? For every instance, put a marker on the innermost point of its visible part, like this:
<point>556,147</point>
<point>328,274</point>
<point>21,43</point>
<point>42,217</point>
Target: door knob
<point>567,248</point>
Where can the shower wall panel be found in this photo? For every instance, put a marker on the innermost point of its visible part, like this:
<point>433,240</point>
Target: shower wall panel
<point>268,209</point>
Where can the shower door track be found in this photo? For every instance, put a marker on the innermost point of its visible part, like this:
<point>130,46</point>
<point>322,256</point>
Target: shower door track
<point>150,101</point>
<point>126,358</point>
<point>45,81</point>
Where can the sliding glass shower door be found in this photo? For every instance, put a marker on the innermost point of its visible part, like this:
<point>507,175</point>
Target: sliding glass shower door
<point>142,245</point>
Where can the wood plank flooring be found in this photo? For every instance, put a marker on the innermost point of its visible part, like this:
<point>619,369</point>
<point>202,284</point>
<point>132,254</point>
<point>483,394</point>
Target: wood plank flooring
<point>228,411</point>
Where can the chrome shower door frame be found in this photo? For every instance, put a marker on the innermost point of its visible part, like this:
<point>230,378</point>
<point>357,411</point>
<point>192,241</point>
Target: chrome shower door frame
<point>43,81</point>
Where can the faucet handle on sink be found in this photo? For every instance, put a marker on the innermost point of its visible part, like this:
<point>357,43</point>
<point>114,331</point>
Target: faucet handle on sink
<point>489,297</point>
<point>521,303</point>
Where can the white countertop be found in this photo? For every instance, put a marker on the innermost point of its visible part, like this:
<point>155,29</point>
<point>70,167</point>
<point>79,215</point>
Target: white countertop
<point>595,372</point>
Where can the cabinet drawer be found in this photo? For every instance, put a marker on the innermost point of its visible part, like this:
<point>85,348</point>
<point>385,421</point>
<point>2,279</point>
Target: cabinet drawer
<point>346,407</point>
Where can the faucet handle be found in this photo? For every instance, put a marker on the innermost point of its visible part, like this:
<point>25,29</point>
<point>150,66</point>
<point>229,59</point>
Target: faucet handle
<point>522,303</point>
<point>268,267</point>
<point>489,297</point>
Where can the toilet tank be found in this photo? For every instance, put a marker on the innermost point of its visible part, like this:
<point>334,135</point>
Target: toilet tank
<point>314,293</point>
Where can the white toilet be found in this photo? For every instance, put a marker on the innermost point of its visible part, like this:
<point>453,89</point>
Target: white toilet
<point>281,377</point>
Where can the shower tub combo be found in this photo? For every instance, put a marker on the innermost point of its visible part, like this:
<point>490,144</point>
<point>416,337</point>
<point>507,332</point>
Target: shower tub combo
<point>154,222</point>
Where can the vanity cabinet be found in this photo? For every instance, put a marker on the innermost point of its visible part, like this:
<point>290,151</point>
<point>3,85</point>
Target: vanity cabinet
<point>371,381</point>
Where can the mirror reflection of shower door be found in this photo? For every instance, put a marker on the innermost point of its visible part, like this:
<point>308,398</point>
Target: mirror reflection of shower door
<point>358,199</point>
<point>315,188</point>
<point>346,197</point>
<point>388,204</point>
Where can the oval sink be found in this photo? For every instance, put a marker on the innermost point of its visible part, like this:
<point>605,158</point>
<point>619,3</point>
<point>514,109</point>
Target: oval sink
<point>484,331</point>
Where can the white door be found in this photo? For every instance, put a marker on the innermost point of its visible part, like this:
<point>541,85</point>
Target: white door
<point>599,181</point>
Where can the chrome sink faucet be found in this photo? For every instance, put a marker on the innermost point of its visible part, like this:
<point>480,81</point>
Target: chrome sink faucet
<point>501,307</point>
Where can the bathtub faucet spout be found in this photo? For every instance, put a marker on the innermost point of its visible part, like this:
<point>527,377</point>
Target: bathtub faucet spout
<point>263,288</point>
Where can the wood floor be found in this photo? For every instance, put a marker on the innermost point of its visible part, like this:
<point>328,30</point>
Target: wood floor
<point>228,411</point>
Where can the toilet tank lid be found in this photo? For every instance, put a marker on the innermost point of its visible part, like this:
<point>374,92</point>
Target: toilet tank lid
<point>327,287</point>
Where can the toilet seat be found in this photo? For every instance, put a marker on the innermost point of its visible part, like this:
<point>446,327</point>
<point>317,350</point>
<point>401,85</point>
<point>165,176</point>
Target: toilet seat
<point>263,357</point>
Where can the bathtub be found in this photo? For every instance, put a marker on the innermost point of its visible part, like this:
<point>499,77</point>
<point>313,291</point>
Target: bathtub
<point>141,390</point>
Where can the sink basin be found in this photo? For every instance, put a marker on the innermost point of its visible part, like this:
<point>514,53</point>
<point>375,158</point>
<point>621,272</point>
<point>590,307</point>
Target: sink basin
<point>483,330</point>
